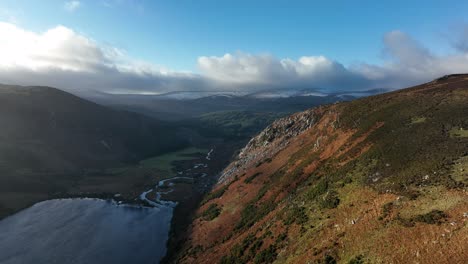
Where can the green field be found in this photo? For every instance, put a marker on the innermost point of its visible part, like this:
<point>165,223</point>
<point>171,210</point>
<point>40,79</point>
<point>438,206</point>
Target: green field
<point>164,162</point>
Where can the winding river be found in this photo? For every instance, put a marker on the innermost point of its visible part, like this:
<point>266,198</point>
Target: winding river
<point>86,230</point>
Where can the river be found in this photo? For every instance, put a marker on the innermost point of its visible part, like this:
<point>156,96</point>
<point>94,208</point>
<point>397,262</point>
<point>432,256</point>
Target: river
<point>85,230</point>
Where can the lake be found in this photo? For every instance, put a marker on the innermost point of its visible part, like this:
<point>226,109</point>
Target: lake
<point>85,231</point>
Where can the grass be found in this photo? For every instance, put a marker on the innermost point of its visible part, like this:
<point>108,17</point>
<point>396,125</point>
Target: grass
<point>418,120</point>
<point>164,162</point>
<point>459,132</point>
<point>460,170</point>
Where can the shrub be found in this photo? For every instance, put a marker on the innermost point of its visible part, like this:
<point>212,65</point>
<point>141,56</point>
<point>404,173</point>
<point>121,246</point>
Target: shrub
<point>251,214</point>
<point>387,209</point>
<point>433,217</point>
<point>320,188</point>
<point>215,194</point>
<point>327,260</point>
<point>211,212</point>
<point>296,215</point>
<point>330,200</point>
<point>267,255</point>
<point>357,260</point>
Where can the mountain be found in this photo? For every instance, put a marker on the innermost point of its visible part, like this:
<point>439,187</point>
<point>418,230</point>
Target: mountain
<point>73,131</point>
<point>50,139</point>
<point>382,179</point>
<point>173,109</point>
<point>182,105</point>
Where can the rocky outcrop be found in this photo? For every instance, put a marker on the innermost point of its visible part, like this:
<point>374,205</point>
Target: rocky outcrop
<point>270,141</point>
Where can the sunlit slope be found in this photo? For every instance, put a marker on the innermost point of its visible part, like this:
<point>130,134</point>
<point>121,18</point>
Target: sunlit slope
<point>377,180</point>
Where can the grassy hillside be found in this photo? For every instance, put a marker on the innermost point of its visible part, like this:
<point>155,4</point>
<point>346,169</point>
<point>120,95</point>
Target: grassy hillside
<point>51,140</point>
<point>376,180</point>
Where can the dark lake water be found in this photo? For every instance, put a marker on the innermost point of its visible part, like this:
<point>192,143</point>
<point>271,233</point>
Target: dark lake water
<point>84,231</point>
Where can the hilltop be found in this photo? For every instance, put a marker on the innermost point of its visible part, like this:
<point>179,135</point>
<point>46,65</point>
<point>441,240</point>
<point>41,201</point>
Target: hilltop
<point>51,141</point>
<point>381,179</point>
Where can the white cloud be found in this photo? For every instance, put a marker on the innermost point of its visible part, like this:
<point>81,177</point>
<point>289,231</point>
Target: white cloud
<point>411,63</point>
<point>408,63</point>
<point>62,58</point>
<point>72,5</point>
<point>267,71</point>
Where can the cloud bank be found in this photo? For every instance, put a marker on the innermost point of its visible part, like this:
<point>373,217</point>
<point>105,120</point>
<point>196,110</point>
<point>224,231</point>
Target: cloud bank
<point>63,58</point>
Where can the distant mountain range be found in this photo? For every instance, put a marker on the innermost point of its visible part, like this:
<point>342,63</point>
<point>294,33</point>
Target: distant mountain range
<point>190,104</point>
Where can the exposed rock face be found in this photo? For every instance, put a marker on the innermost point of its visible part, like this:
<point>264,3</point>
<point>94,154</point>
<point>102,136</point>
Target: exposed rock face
<point>271,140</point>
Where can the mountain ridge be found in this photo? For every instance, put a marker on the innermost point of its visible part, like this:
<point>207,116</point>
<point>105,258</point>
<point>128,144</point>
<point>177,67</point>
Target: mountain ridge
<point>368,178</point>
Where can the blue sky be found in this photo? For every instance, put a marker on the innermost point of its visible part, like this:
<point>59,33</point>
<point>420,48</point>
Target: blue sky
<point>175,34</point>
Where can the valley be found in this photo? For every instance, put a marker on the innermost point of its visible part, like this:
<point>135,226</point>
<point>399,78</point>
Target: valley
<point>322,177</point>
<point>233,132</point>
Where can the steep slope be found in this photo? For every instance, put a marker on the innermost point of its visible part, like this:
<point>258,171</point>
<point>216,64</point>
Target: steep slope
<point>73,130</point>
<point>377,180</point>
<point>50,138</point>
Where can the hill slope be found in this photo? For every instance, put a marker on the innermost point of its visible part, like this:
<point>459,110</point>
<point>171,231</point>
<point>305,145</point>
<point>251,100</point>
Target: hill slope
<point>377,180</point>
<point>48,135</point>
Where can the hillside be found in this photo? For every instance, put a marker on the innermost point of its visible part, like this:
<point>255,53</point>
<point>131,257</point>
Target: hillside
<point>50,139</point>
<point>381,179</point>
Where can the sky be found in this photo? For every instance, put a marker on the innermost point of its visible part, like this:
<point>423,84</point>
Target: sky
<point>131,46</point>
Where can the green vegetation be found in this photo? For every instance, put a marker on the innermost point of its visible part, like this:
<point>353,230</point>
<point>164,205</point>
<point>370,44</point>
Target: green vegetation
<point>327,260</point>
<point>295,215</point>
<point>320,188</point>
<point>417,120</point>
<point>404,153</point>
<point>433,217</point>
<point>330,200</point>
<point>386,210</point>
<point>460,171</point>
<point>248,250</point>
<point>252,213</point>
<point>458,132</point>
<point>215,194</point>
<point>211,212</point>
<point>237,124</point>
<point>267,255</point>
<point>243,252</point>
<point>165,162</point>
<point>357,260</point>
